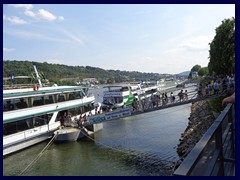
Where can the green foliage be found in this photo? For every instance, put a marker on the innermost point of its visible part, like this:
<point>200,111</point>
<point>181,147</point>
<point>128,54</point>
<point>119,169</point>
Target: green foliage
<point>57,73</point>
<point>203,71</point>
<point>222,49</point>
<point>196,68</point>
<point>216,105</point>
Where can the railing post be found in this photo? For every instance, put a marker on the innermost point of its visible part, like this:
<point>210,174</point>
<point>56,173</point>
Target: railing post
<point>219,146</point>
<point>231,119</point>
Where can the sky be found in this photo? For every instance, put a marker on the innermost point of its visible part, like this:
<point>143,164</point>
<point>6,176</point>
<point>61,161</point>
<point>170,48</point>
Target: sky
<point>158,38</point>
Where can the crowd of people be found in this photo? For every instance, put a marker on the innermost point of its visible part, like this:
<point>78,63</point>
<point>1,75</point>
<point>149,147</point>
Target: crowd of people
<point>158,100</point>
<point>79,120</point>
<point>215,85</point>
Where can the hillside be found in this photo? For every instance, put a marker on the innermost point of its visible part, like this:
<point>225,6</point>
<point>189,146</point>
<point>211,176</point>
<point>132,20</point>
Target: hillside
<point>57,72</point>
<point>185,73</point>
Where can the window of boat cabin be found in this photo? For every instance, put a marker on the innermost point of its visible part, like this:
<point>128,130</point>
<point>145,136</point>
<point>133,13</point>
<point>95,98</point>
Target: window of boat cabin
<point>38,100</point>
<point>78,94</point>
<point>48,99</point>
<point>21,103</point>
<point>9,105</point>
<point>84,91</point>
<point>40,120</point>
<point>13,104</point>
<point>84,109</point>
<point>71,96</point>
<point>61,97</point>
<point>25,124</point>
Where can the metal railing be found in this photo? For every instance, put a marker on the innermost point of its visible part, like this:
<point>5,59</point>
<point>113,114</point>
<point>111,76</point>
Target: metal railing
<point>214,154</point>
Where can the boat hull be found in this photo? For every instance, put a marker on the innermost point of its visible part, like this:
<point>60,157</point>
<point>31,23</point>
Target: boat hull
<point>67,134</point>
<point>12,148</point>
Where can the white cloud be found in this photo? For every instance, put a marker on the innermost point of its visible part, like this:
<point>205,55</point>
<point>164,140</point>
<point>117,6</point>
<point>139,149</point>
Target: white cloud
<point>15,20</point>
<point>29,13</point>
<point>33,35</point>
<point>41,14</point>
<point>60,18</point>
<point>44,14</point>
<point>71,36</point>
<point>26,6</point>
<point>8,49</point>
<point>196,43</point>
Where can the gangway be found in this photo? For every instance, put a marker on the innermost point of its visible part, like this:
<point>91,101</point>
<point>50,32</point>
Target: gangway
<point>179,103</point>
<point>128,111</point>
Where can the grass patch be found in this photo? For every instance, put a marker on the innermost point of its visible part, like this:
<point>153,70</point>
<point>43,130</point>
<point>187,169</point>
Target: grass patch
<point>216,105</point>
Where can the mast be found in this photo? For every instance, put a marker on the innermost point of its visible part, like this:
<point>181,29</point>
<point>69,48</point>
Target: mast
<point>38,77</point>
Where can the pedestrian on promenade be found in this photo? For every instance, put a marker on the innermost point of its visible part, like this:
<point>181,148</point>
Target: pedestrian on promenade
<point>180,95</point>
<point>186,95</point>
<point>172,98</point>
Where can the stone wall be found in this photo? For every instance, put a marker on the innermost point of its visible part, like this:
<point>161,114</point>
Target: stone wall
<point>201,118</point>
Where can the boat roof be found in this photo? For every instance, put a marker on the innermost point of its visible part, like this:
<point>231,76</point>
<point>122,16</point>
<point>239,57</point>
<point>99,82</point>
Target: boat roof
<point>26,92</point>
<point>17,77</point>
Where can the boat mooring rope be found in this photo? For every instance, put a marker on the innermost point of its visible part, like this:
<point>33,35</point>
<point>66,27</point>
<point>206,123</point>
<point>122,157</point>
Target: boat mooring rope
<point>40,154</point>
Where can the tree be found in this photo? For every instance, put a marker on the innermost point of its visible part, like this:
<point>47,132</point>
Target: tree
<point>196,68</point>
<point>222,49</point>
<point>203,71</point>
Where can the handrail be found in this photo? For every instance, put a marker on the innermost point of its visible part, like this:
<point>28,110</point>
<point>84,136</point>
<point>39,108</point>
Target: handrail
<point>207,157</point>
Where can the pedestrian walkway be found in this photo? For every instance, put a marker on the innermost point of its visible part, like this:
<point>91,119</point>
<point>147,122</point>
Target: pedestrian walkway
<point>194,99</point>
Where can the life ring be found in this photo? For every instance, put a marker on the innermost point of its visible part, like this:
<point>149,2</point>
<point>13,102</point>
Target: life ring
<point>35,87</point>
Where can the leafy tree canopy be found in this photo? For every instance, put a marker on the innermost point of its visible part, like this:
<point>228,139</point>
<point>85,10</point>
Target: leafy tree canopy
<point>222,49</point>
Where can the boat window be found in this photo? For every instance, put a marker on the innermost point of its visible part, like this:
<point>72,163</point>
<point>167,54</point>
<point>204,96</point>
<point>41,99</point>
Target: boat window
<point>9,128</point>
<point>85,91</point>
<point>21,103</point>
<point>48,99</point>
<point>15,127</point>
<point>79,95</point>
<point>71,96</point>
<point>39,121</point>
<point>38,101</point>
<point>22,125</point>
<point>61,98</point>
<point>25,124</point>
<point>74,111</point>
<point>8,105</point>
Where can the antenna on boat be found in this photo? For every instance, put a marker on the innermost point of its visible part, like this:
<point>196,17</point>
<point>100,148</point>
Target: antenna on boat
<point>38,77</point>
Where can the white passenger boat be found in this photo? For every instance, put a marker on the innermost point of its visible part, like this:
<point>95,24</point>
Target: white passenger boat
<point>118,96</point>
<point>31,115</point>
<point>124,95</point>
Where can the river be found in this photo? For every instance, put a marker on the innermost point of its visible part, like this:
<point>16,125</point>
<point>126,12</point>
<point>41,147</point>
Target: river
<point>141,145</point>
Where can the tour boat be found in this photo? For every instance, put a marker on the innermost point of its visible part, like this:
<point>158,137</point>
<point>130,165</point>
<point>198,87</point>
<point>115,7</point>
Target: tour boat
<point>31,115</point>
<point>118,96</point>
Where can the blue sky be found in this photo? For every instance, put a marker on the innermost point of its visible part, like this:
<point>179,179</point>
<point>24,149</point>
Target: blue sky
<point>159,38</point>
